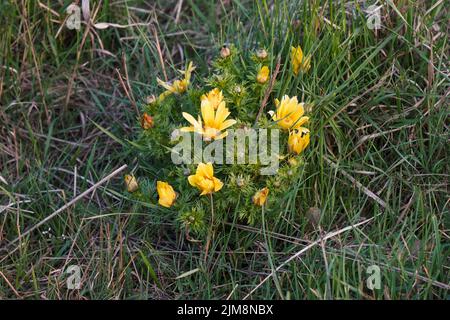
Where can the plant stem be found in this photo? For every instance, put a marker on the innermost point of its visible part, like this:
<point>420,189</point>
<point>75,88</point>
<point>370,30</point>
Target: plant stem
<point>211,227</point>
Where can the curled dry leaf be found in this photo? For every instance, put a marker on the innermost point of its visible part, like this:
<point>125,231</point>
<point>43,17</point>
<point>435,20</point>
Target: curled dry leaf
<point>86,10</point>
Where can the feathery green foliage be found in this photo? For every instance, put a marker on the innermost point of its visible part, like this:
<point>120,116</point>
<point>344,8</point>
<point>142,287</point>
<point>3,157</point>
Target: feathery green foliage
<point>69,103</point>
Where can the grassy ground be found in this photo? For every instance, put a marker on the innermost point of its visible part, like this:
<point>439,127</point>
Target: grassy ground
<point>379,150</point>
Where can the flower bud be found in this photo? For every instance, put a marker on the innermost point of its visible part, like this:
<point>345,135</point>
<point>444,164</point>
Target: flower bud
<point>260,197</point>
<point>263,75</point>
<point>146,121</point>
<point>261,54</point>
<point>131,183</point>
<point>150,99</point>
<point>225,52</point>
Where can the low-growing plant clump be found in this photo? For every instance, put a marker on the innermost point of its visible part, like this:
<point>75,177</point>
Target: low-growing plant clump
<point>241,92</point>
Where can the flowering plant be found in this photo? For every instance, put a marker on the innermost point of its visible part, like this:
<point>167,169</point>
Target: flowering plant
<point>241,93</point>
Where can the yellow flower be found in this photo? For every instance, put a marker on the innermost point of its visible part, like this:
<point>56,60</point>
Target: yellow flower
<point>299,62</point>
<point>214,98</point>
<point>298,140</point>
<point>166,194</point>
<point>260,197</point>
<point>263,75</point>
<point>214,122</point>
<point>178,86</point>
<point>131,183</point>
<point>146,121</point>
<point>289,113</point>
<point>204,179</point>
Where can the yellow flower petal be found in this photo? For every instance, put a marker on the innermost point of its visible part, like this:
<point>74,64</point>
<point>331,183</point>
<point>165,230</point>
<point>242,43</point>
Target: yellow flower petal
<point>187,129</point>
<point>217,184</point>
<point>207,112</point>
<point>301,122</point>
<point>165,85</point>
<point>213,97</point>
<point>263,75</point>
<point>299,61</point>
<point>190,119</point>
<point>277,102</point>
<point>193,180</point>
<point>205,170</point>
<point>221,136</point>
<point>221,114</point>
<point>226,124</point>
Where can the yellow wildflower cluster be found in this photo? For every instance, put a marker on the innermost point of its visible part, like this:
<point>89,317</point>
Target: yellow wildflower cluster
<point>289,115</point>
<point>212,121</point>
